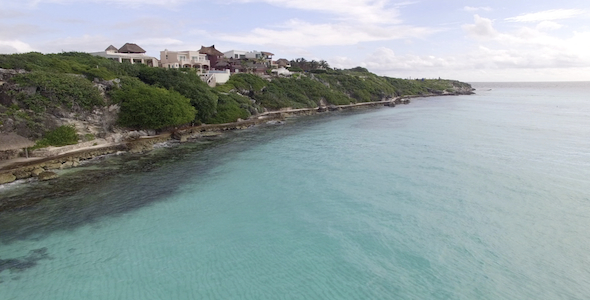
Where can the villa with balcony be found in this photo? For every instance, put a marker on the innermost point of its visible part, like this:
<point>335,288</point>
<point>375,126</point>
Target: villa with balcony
<point>184,59</point>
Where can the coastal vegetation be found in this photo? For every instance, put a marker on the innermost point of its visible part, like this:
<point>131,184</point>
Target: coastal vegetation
<point>37,90</point>
<point>150,107</point>
<point>47,90</point>
<point>60,136</point>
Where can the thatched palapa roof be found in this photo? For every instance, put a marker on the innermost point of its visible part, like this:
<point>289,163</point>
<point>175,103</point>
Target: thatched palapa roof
<point>111,48</point>
<point>283,62</point>
<point>131,48</point>
<point>13,141</point>
<point>267,53</point>
<point>210,51</point>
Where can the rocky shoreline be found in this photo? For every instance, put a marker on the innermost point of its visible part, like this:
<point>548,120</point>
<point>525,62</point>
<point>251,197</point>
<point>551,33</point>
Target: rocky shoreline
<point>43,168</point>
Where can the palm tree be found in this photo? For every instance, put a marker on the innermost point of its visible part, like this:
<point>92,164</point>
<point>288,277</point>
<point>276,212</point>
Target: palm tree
<point>302,63</point>
<point>313,65</point>
<point>263,60</point>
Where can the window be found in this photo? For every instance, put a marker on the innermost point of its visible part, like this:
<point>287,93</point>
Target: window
<point>181,57</point>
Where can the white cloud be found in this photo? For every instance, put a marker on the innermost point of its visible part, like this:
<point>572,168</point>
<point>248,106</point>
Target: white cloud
<point>348,22</point>
<point>85,43</point>
<point>10,14</point>
<point>14,46</point>
<point>128,3</point>
<point>483,28</point>
<point>548,25</point>
<point>529,47</point>
<point>363,11</point>
<point>15,31</point>
<point>386,59</point>
<point>472,9</point>
<point>547,15</point>
<point>159,42</point>
<point>526,54</point>
<point>303,34</point>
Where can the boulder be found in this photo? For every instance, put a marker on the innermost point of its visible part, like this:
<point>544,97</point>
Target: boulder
<point>50,166</point>
<point>140,146</point>
<point>21,174</point>
<point>47,176</point>
<point>37,171</point>
<point>6,178</point>
<point>67,165</point>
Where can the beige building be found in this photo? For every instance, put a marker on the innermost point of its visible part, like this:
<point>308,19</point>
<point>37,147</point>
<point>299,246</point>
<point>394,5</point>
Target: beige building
<point>129,53</point>
<point>184,59</point>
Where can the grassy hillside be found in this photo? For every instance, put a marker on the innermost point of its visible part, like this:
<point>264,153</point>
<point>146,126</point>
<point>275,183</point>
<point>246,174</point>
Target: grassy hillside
<point>338,87</point>
<point>52,86</point>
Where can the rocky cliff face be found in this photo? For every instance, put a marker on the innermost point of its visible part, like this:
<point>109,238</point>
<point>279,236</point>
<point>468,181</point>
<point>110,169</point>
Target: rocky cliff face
<point>16,117</point>
<point>96,126</point>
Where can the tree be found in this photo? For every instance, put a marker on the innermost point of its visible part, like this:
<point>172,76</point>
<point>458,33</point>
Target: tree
<point>313,65</point>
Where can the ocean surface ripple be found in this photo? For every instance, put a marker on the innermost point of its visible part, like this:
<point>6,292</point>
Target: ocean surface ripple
<point>468,197</point>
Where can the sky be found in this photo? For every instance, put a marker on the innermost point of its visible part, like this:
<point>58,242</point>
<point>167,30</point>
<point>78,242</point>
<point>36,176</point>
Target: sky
<point>473,41</point>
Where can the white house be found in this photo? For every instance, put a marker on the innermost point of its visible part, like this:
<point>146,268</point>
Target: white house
<point>239,54</point>
<point>214,77</point>
<point>129,53</point>
<point>236,54</point>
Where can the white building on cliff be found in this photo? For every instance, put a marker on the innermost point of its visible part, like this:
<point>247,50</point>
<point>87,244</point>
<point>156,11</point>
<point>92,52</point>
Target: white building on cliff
<point>129,53</point>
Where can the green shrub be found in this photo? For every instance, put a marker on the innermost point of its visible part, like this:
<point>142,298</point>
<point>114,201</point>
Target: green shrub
<point>295,69</point>
<point>231,107</point>
<point>89,137</point>
<point>247,82</point>
<point>358,69</point>
<point>187,84</point>
<point>148,107</point>
<point>61,136</point>
<point>318,71</point>
<point>54,90</point>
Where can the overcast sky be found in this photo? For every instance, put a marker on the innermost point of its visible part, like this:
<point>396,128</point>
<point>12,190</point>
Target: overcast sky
<point>503,40</point>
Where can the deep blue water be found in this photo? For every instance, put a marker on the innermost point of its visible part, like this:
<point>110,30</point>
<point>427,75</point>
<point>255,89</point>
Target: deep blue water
<point>470,197</point>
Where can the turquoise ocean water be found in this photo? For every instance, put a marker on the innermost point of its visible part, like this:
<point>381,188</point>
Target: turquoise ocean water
<point>469,197</point>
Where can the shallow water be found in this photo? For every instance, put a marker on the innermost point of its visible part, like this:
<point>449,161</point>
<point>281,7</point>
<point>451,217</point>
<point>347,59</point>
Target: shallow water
<point>468,197</point>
